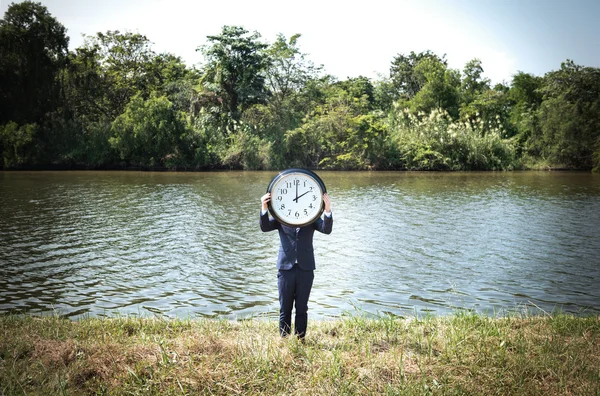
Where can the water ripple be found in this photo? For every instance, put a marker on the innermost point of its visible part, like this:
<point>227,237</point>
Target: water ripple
<point>101,243</point>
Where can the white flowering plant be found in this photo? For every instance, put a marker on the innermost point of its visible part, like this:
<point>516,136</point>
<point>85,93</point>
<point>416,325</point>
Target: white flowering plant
<point>435,141</point>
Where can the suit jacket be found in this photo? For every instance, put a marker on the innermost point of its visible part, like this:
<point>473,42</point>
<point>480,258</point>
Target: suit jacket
<point>296,247</point>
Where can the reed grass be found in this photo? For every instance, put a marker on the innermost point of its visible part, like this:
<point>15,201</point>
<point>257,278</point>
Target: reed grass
<point>435,141</point>
<point>460,354</point>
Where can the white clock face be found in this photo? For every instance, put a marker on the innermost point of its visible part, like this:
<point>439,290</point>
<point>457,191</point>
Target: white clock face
<point>296,199</point>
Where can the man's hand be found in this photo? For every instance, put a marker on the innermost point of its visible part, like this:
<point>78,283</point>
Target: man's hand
<point>327,201</point>
<point>265,200</point>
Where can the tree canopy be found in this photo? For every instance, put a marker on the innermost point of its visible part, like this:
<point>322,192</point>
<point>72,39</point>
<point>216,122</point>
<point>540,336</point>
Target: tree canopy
<point>114,102</point>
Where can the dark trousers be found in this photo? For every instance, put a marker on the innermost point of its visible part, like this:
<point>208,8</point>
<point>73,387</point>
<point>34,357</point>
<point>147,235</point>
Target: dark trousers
<point>294,289</point>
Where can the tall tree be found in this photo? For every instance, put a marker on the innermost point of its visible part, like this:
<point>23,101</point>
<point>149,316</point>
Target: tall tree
<point>33,49</point>
<point>524,98</point>
<point>525,91</point>
<point>406,77</point>
<point>115,66</point>
<point>289,69</point>
<point>287,77</point>
<point>569,116</point>
<point>110,68</point>
<point>360,87</point>
<point>473,84</point>
<point>236,62</point>
<point>440,89</point>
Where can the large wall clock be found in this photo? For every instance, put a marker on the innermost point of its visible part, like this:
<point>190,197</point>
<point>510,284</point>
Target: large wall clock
<point>296,197</point>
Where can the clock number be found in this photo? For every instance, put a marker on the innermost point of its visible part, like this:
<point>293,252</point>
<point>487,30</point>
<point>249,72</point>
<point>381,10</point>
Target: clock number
<point>279,197</point>
<point>289,212</point>
<point>297,214</point>
<point>288,184</point>
<point>282,206</point>
<point>314,197</point>
<point>310,206</point>
<point>305,212</point>
<point>283,190</point>
<point>297,182</point>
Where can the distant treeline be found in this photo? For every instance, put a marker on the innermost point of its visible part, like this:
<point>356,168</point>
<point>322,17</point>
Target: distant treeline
<point>115,103</point>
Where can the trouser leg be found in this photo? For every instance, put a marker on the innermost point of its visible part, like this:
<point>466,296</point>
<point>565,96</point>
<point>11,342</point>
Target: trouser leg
<point>304,282</point>
<point>287,289</point>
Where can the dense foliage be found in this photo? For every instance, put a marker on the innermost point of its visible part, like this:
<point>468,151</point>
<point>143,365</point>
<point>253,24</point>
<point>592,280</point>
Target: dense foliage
<point>115,103</point>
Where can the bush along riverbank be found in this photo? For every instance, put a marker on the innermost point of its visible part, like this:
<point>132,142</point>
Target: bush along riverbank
<point>463,353</point>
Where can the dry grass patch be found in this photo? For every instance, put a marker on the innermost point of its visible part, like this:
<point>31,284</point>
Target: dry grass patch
<point>464,353</point>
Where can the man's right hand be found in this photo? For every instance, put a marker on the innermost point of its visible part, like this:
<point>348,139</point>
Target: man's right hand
<point>265,200</point>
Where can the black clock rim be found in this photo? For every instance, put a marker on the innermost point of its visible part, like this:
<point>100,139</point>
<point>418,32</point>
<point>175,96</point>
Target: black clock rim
<point>306,172</point>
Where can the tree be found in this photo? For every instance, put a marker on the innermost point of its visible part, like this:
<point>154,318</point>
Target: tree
<point>16,144</point>
<point>472,83</point>
<point>440,89</point>
<point>33,49</point>
<point>406,78</point>
<point>288,70</point>
<point>524,91</point>
<point>524,98</point>
<point>149,132</point>
<point>339,134</point>
<point>109,69</point>
<point>360,87</point>
<point>481,104</point>
<point>168,75</point>
<point>236,62</point>
<point>569,116</point>
<point>490,109</point>
<point>102,77</point>
<point>287,77</point>
<point>384,94</point>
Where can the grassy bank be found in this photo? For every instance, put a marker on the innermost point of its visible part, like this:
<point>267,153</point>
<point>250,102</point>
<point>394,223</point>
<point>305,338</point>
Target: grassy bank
<point>464,353</point>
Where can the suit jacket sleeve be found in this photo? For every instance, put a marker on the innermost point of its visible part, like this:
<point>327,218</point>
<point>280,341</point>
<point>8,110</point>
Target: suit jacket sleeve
<point>324,225</point>
<point>268,223</point>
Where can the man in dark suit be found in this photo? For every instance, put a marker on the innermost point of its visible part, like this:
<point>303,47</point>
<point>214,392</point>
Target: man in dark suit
<point>295,264</point>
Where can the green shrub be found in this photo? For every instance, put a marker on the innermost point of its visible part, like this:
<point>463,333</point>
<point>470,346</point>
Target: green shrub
<point>435,142</point>
<point>17,144</point>
<point>247,151</point>
<point>148,133</point>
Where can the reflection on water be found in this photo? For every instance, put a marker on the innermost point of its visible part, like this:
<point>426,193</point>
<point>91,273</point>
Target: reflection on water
<point>188,244</point>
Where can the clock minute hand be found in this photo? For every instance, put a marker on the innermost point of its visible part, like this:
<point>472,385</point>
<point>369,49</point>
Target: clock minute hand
<point>301,195</point>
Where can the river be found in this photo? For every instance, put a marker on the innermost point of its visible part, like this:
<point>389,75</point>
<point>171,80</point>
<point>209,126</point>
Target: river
<point>403,243</point>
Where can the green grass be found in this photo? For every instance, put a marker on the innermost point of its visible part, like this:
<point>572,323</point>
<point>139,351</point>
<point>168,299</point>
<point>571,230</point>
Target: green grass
<point>459,354</point>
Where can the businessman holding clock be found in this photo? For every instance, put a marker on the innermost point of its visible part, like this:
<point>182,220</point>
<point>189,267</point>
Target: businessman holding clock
<point>295,264</point>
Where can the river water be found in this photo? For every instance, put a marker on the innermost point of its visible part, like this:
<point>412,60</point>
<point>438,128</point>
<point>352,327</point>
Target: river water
<point>403,243</point>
